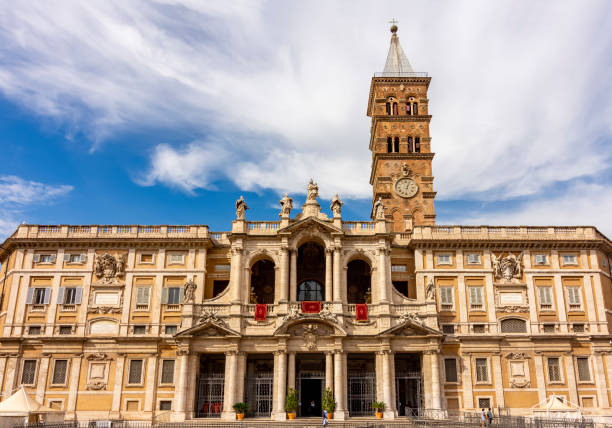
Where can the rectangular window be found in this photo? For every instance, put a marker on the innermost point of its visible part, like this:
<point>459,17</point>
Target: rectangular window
<point>554,370</point>
<point>75,258</point>
<point>578,328</point>
<point>165,405</point>
<point>448,328</point>
<point>28,375</point>
<point>569,260</point>
<point>146,258</point>
<point>574,298</point>
<point>131,405</point>
<point>545,295</point>
<point>143,295</point>
<point>44,258</point>
<point>170,329</point>
<point>176,259</point>
<point>473,259</point>
<point>450,369</point>
<point>584,373</point>
<point>482,370</point>
<point>541,259</point>
<point>65,329</point>
<point>140,329</point>
<point>447,298</point>
<point>172,295</point>
<point>167,375</point>
<point>476,300</point>
<point>548,328</point>
<point>479,328</point>
<point>34,330</point>
<point>135,374</point>
<point>59,372</point>
<point>72,295</point>
<point>444,259</point>
<point>398,268</point>
<point>38,296</point>
<point>222,268</point>
<point>484,403</point>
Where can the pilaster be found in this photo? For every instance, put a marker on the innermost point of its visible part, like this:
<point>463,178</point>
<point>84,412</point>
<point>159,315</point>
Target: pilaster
<point>43,372</point>
<point>75,373</point>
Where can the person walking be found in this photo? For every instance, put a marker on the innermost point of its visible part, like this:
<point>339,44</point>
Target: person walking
<point>483,418</point>
<point>325,420</point>
<point>490,417</point>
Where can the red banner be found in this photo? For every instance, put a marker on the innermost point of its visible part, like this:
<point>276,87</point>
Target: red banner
<point>361,312</point>
<point>261,311</point>
<point>311,307</point>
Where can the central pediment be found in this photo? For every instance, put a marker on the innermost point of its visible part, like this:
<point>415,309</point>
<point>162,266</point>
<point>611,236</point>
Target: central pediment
<point>310,223</point>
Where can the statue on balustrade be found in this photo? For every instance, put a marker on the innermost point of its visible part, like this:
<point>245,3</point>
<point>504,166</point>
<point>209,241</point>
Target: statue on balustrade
<point>241,208</point>
<point>336,206</point>
<point>286,205</point>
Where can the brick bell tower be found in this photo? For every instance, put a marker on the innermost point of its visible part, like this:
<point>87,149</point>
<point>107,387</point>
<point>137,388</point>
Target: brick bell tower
<point>401,147</point>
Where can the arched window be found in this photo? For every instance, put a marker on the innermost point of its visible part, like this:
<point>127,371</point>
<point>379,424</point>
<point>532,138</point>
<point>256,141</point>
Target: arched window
<point>262,282</point>
<point>415,109</point>
<point>409,144</point>
<point>396,144</point>
<point>358,282</point>
<point>310,290</point>
<point>408,108</point>
<point>388,108</point>
<point>389,144</point>
<point>417,144</point>
<point>513,325</point>
<point>395,112</point>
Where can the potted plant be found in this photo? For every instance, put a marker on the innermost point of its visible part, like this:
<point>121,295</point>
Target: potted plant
<point>240,409</point>
<point>328,403</point>
<point>379,406</point>
<point>291,403</point>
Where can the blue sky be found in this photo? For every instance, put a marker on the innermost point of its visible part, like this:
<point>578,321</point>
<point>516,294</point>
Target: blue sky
<point>164,112</point>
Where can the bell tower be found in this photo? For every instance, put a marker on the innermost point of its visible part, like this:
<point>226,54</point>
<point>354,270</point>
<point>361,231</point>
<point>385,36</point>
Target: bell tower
<point>400,143</point>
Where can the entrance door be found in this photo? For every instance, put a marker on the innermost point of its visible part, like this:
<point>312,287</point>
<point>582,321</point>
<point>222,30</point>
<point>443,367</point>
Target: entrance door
<point>311,397</point>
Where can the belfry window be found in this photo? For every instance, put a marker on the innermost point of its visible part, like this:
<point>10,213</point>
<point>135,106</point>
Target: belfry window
<point>396,144</point>
<point>410,145</point>
<point>417,144</point>
<point>415,109</point>
<point>389,144</point>
<point>388,108</point>
<point>408,110</point>
<point>395,110</point>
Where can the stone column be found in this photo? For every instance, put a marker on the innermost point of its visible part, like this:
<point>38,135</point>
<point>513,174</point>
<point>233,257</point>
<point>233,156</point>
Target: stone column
<point>461,305</point>
<point>293,277</point>
<point>560,300</point>
<point>540,377</point>
<point>435,380</point>
<point>600,380</point>
<point>329,370</point>
<point>388,381</point>
<point>284,275</point>
<point>236,280</point>
<point>498,379</point>
<point>241,376</point>
<point>194,367</point>
<point>571,377</point>
<point>230,386</point>
<point>382,275</point>
<point>2,367</point>
<point>41,385</point>
<point>328,276</point>
<point>337,276</point>
<point>11,374</point>
<point>119,366</point>
<point>75,373</point>
<point>280,385</point>
<point>179,410</point>
<point>339,382</point>
<point>291,370</point>
<point>151,387</point>
<point>466,380</point>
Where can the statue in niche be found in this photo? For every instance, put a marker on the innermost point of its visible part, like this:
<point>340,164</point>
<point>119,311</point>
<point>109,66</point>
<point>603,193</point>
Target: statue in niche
<point>189,291</point>
<point>336,206</point>
<point>379,209</point>
<point>286,205</point>
<point>312,191</point>
<point>405,169</point>
<point>507,267</point>
<point>430,291</point>
<point>241,208</point>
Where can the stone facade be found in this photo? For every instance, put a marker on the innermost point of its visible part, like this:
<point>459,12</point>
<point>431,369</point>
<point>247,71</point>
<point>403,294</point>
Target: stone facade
<point>179,322</point>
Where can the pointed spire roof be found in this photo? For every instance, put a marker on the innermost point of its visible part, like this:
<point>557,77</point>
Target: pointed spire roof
<point>397,62</point>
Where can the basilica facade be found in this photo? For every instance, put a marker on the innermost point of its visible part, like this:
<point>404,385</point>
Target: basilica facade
<point>181,322</point>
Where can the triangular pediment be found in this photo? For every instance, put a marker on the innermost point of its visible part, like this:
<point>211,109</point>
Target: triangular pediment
<point>410,327</point>
<point>209,329</point>
<point>311,222</point>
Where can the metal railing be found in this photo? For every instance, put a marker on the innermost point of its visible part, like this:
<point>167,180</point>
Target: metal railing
<point>402,74</point>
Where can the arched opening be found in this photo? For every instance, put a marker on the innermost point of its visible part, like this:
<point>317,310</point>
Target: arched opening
<point>358,282</point>
<point>262,282</point>
<point>396,144</point>
<point>415,109</point>
<point>417,145</point>
<point>409,144</point>
<point>388,108</point>
<point>395,109</point>
<point>389,144</point>
<point>311,272</point>
<point>408,108</point>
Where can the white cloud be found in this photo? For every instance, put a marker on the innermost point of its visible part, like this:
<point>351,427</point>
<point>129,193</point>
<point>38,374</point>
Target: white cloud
<point>17,194</point>
<point>278,90</point>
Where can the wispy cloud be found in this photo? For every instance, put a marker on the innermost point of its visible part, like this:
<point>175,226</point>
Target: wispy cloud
<point>520,92</point>
<point>17,195</point>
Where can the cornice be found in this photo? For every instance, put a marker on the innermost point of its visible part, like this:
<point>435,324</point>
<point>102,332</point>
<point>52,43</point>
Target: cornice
<point>397,156</point>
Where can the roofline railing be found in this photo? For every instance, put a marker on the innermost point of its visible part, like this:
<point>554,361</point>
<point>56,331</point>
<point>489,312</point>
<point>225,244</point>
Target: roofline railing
<point>401,74</point>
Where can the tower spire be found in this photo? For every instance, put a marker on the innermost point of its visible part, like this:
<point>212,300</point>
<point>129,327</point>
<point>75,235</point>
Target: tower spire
<point>397,62</point>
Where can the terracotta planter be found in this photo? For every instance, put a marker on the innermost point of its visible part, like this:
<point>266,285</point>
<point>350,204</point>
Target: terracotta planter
<point>291,416</point>
<point>330,415</point>
<point>379,415</point>
<point>240,416</point>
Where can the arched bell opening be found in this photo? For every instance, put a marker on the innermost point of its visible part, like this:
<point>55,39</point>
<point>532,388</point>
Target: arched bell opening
<point>358,282</point>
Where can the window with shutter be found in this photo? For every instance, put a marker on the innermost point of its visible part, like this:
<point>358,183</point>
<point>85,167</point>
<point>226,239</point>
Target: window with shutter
<point>574,297</point>
<point>70,295</point>
<point>176,259</point>
<point>36,258</point>
<point>569,259</point>
<point>28,374</point>
<point>482,370</point>
<point>167,375</point>
<point>473,259</point>
<point>135,374</point>
<point>444,259</point>
<point>142,298</point>
<point>584,373</point>
<point>39,296</point>
<point>554,371</point>
<point>545,295</point>
<point>450,369</point>
<point>541,259</point>
<point>447,301</point>
<point>174,295</point>
<point>59,372</point>
<point>476,301</point>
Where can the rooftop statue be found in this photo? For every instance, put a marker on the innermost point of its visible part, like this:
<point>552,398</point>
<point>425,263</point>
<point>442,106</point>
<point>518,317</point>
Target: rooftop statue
<point>379,209</point>
<point>312,191</point>
<point>241,208</point>
<point>336,206</point>
<point>286,205</point>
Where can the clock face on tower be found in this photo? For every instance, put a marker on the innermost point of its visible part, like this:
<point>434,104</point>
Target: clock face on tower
<point>406,187</point>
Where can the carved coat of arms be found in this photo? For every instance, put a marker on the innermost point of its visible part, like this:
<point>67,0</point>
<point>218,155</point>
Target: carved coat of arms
<point>507,267</point>
<point>109,268</point>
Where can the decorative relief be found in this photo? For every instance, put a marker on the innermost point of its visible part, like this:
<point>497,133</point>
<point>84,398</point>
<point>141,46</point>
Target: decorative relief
<point>507,268</point>
<point>95,386</point>
<point>518,369</point>
<point>109,268</point>
<point>98,356</point>
<point>512,309</point>
<point>410,317</point>
<point>310,332</point>
<point>208,316</point>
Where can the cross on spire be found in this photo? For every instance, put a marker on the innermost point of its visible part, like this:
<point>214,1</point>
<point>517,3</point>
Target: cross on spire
<point>393,26</point>
<point>393,21</point>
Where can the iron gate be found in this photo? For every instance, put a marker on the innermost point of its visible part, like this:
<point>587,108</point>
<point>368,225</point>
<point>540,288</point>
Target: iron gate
<point>412,400</point>
<point>259,394</point>
<point>361,394</point>
<point>210,395</point>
